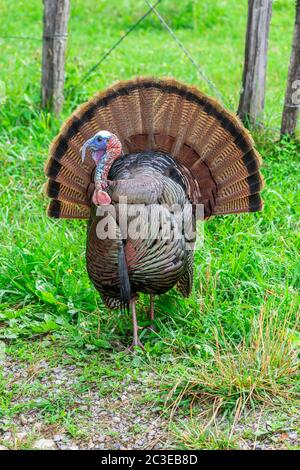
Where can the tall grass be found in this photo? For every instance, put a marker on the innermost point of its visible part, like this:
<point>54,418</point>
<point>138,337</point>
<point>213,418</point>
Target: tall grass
<point>262,368</point>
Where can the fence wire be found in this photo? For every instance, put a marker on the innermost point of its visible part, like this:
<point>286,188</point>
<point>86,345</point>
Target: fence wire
<point>152,9</point>
<point>22,38</point>
<point>115,45</point>
<point>190,57</point>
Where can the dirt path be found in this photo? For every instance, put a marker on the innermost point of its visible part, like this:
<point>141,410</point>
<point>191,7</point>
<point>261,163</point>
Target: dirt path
<point>70,406</point>
<point>58,410</point>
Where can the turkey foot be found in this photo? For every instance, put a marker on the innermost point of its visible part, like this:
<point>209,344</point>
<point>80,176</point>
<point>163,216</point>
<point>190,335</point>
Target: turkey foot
<point>101,198</point>
<point>152,327</point>
<point>136,340</point>
<point>135,345</point>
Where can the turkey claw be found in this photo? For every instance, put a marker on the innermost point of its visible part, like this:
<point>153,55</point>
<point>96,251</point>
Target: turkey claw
<point>134,345</point>
<point>152,328</point>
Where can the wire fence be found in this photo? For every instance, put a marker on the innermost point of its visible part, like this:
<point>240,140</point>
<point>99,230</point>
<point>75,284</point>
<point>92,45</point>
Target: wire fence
<point>116,44</point>
<point>151,10</point>
<point>22,38</point>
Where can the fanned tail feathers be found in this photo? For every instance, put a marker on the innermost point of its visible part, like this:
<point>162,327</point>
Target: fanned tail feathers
<point>210,144</point>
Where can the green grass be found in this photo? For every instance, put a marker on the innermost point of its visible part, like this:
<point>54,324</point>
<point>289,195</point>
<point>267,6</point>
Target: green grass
<point>233,343</point>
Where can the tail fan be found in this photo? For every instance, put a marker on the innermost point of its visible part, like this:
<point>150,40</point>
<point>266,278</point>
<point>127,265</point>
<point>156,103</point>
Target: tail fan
<point>212,147</point>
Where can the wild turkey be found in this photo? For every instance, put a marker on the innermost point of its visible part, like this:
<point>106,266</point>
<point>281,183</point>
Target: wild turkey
<point>155,142</point>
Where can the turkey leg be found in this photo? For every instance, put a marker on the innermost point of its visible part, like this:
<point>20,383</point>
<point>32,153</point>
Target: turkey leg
<point>136,340</point>
<point>151,313</point>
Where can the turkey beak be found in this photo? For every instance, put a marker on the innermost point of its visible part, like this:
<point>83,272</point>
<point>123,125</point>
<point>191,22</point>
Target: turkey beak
<point>85,147</point>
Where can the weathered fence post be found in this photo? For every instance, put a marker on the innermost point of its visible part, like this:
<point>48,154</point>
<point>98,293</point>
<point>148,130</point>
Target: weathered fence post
<point>292,94</point>
<point>252,97</point>
<point>56,14</point>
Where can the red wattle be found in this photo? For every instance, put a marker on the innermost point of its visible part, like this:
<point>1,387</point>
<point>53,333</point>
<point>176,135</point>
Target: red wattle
<point>101,198</point>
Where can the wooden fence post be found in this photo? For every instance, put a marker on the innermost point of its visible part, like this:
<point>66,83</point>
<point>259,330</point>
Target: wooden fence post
<point>292,94</point>
<point>252,97</point>
<point>56,14</point>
